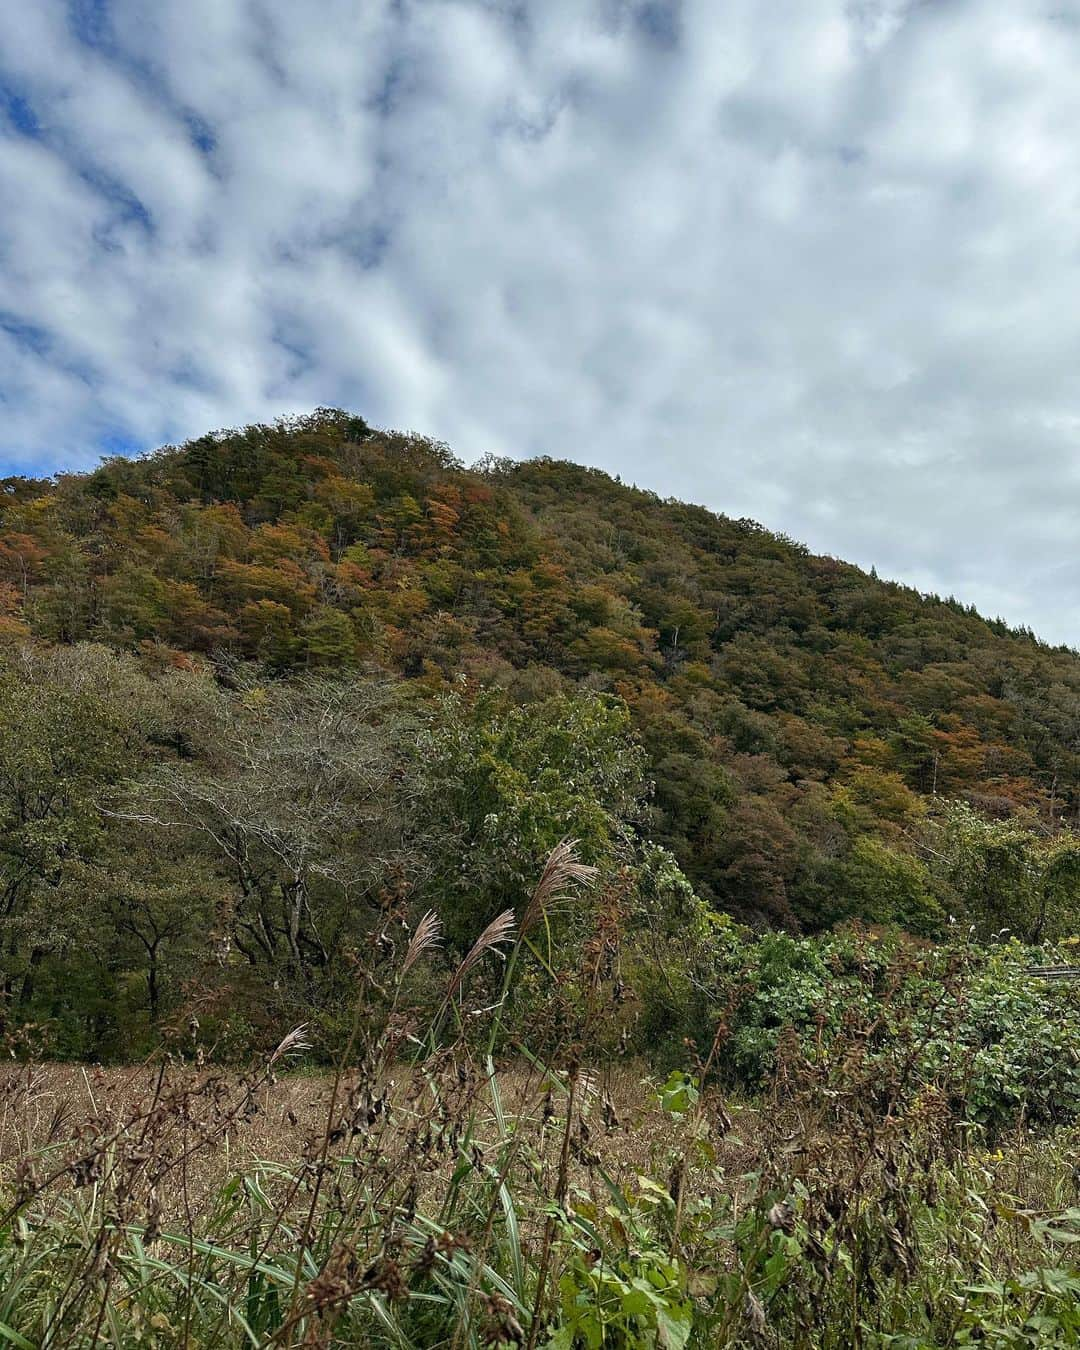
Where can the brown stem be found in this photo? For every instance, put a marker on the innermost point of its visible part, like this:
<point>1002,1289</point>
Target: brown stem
<point>549,1227</point>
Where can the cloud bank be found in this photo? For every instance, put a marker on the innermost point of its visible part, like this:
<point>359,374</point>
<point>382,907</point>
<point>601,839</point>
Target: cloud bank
<point>814,262</point>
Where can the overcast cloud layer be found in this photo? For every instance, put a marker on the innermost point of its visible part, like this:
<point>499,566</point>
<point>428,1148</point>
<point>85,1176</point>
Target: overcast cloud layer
<point>810,261</point>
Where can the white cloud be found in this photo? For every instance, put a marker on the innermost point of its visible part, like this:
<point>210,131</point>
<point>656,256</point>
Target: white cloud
<point>812,262</point>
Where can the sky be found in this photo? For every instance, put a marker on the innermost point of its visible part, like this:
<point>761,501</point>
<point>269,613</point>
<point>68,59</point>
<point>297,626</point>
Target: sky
<point>816,262</point>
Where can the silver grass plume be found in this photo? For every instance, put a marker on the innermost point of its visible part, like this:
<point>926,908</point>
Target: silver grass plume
<point>498,931</point>
<point>427,936</point>
<point>562,871</point>
<point>293,1043</point>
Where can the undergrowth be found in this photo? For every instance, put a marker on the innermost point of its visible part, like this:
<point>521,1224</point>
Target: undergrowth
<point>461,1189</point>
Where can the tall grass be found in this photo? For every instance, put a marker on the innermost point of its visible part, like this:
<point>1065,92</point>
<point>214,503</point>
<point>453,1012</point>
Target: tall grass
<point>430,1198</point>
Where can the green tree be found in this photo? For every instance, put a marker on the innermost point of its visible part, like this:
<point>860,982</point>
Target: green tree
<point>329,638</point>
<point>504,784</point>
<point>999,875</point>
<point>878,884</point>
<point>63,751</point>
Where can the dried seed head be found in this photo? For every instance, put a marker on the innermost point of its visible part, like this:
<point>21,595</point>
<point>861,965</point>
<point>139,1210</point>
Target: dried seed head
<point>427,936</point>
<point>755,1316</point>
<point>562,870</point>
<point>294,1043</point>
<point>782,1216</point>
<point>501,1326</point>
<point>500,930</point>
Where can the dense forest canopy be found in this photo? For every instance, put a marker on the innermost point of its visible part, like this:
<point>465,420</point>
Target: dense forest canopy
<point>259,685</point>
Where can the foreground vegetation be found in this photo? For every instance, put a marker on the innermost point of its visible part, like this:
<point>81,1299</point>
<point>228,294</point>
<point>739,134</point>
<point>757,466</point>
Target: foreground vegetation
<point>876,1148</point>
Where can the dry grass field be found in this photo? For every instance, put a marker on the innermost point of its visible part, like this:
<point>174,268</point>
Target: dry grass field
<point>389,1172</point>
<point>442,1205</point>
<point>226,1125</point>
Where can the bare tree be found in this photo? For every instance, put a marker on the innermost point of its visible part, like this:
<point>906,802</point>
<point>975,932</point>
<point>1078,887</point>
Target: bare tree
<point>299,792</point>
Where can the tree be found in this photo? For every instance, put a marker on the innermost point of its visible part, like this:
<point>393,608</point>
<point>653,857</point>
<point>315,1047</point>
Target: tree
<point>294,794</point>
<point>1002,877</point>
<point>267,630</point>
<point>63,751</point>
<point>877,884</point>
<point>503,785</point>
<point>329,638</point>
<point>160,902</point>
<point>151,929</point>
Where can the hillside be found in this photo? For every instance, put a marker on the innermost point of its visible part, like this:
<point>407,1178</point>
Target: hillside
<point>798,716</point>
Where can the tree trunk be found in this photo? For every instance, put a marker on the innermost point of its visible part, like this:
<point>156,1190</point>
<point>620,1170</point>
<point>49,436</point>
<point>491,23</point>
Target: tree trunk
<point>152,991</point>
<point>26,993</point>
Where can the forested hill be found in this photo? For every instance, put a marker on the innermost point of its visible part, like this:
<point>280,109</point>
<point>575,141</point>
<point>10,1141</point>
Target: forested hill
<point>797,714</point>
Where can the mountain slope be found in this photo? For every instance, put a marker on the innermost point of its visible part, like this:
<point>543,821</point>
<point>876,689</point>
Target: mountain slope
<point>795,710</point>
